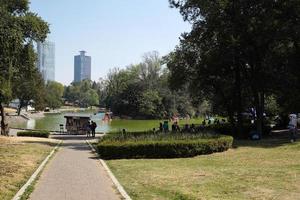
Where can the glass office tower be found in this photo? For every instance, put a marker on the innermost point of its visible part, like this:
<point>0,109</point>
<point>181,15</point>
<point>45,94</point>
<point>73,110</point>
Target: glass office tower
<point>82,67</point>
<point>46,60</point>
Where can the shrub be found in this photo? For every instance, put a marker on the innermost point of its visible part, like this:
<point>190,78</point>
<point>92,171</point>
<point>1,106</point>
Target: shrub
<point>156,145</point>
<point>42,134</point>
<point>226,129</point>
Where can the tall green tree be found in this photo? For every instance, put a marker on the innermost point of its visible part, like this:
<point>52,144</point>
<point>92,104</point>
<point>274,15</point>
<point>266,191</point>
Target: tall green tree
<point>18,27</point>
<point>84,93</point>
<point>27,84</point>
<point>232,48</point>
<point>54,94</point>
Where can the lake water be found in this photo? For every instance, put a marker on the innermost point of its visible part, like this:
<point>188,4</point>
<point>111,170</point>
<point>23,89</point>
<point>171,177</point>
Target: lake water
<point>51,122</point>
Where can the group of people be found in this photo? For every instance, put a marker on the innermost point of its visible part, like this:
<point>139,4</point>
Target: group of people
<point>91,129</point>
<point>164,127</point>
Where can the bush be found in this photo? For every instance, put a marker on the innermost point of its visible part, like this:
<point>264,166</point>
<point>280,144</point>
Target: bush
<point>157,145</point>
<point>42,134</point>
<point>226,129</point>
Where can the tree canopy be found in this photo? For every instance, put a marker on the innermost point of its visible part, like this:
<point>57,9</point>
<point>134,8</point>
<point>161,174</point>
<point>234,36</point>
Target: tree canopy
<point>238,53</point>
<point>18,28</point>
<point>142,91</point>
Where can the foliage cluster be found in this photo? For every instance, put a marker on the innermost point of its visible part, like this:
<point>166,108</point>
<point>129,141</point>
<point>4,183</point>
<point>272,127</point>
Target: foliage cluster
<point>160,145</point>
<point>240,54</point>
<point>53,97</point>
<point>18,29</point>
<point>142,91</point>
<point>41,134</point>
<point>228,129</point>
<point>83,94</point>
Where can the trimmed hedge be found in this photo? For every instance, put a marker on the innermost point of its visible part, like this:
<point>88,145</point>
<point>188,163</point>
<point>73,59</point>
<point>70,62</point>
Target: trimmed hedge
<point>161,145</point>
<point>42,134</point>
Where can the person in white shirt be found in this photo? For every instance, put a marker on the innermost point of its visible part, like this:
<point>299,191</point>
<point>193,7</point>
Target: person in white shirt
<point>293,127</point>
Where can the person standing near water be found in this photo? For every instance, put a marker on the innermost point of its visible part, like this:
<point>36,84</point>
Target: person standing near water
<point>93,127</point>
<point>88,129</point>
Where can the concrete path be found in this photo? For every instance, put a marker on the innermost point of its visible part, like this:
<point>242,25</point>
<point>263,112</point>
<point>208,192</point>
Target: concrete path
<point>74,173</point>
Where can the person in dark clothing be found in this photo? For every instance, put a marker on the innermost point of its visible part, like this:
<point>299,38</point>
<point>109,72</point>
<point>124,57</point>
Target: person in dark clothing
<point>88,129</point>
<point>166,126</point>
<point>177,128</point>
<point>193,128</point>
<point>186,128</point>
<point>93,127</point>
<point>173,128</point>
<point>161,127</point>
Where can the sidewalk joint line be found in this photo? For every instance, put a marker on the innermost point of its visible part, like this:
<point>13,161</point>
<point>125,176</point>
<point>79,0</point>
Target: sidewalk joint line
<point>120,188</point>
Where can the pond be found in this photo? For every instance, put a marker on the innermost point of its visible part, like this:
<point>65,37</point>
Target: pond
<point>51,122</point>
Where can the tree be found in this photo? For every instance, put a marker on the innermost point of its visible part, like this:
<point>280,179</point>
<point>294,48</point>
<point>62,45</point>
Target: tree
<point>54,94</point>
<point>84,93</point>
<point>27,84</point>
<point>142,91</point>
<point>232,52</point>
<point>18,27</point>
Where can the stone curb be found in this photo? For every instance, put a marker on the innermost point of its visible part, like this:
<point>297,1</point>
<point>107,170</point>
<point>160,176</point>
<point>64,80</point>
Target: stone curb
<point>111,175</point>
<point>35,174</point>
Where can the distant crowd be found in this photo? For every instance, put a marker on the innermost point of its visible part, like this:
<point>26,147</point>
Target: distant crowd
<point>187,128</point>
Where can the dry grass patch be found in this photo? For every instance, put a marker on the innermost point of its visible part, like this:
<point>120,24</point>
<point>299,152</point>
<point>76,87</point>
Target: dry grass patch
<point>253,170</point>
<point>19,157</point>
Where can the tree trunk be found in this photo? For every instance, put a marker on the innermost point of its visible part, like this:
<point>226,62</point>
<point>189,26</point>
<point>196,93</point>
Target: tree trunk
<point>259,101</point>
<point>20,107</point>
<point>4,125</point>
<point>238,100</point>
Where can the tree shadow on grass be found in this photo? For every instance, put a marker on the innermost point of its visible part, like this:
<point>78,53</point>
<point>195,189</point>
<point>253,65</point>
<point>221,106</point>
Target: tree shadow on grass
<point>275,139</point>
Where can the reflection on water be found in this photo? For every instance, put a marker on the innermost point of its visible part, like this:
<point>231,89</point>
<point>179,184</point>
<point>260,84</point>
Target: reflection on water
<point>30,124</point>
<point>52,121</point>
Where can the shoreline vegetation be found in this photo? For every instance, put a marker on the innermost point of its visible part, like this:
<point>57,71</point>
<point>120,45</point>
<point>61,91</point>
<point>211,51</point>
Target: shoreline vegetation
<point>12,116</point>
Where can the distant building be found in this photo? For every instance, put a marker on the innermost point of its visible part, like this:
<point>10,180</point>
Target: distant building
<point>46,60</point>
<point>82,67</point>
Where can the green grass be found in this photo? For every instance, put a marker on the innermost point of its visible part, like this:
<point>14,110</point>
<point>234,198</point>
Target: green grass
<point>19,158</point>
<point>268,169</point>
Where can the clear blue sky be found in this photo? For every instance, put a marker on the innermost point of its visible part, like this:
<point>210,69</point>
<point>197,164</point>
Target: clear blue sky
<point>116,33</point>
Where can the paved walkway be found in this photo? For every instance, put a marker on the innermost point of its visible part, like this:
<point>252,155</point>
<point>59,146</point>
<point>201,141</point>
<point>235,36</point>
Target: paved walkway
<point>74,173</point>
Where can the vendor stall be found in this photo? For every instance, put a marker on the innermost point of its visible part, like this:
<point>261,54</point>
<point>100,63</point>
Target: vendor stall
<point>77,124</point>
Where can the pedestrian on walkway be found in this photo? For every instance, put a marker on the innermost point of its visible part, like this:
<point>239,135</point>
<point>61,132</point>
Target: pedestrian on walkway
<point>93,127</point>
<point>88,129</point>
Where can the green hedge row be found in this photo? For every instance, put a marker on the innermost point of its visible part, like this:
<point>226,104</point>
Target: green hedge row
<point>42,134</point>
<point>162,146</point>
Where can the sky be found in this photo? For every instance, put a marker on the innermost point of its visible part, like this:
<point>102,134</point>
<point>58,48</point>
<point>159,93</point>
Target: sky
<point>115,33</point>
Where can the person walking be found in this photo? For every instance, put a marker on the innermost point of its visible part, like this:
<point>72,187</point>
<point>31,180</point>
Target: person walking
<point>293,127</point>
<point>88,129</point>
<point>93,126</point>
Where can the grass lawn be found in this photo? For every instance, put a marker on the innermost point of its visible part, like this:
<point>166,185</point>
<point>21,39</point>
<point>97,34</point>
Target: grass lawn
<point>19,158</point>
<point>268,169</point>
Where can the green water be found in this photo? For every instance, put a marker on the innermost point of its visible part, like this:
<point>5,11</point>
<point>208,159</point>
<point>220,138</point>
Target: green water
<point>51,122</point>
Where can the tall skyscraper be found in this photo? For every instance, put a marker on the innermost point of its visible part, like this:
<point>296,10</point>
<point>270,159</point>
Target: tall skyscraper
<point>46,60</point>
<point>82,67</point>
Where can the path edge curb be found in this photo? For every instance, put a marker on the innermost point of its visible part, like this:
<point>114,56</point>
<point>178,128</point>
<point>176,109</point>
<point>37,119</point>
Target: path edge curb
<point>33,177</point>
<point>120,188</point>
